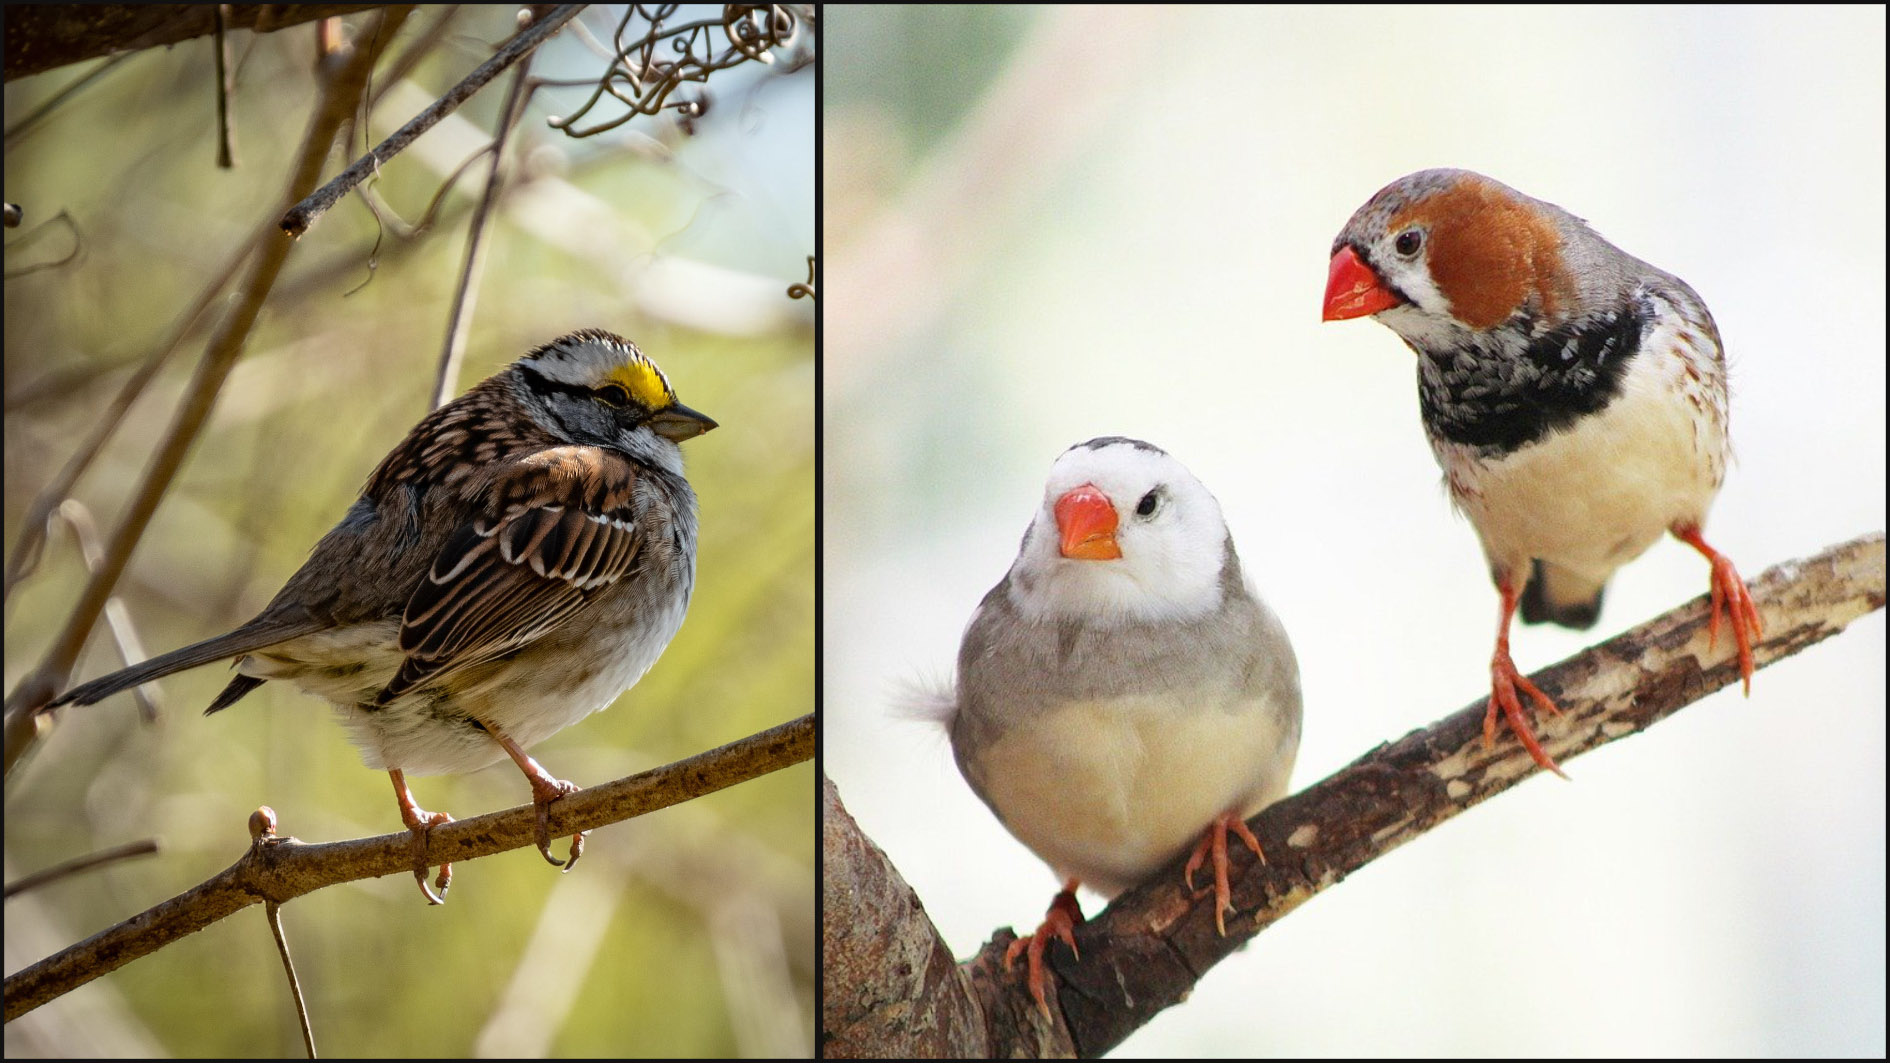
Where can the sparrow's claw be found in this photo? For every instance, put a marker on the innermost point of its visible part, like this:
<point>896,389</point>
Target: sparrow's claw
<point>545,790</point>
<point>421,823</point>
<point>445,877</point>
<point>1730,593</point>
<point>1060,923</point>
<point>1214,843</point>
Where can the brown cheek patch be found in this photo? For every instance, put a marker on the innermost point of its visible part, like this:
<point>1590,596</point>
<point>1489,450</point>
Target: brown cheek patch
<point>1489,252</point>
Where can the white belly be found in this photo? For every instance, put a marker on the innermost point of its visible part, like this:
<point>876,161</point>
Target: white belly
<point>1108,791</point>
<point>1593,497</point>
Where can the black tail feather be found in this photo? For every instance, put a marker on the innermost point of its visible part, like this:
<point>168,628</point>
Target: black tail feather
<point>1536,608</point>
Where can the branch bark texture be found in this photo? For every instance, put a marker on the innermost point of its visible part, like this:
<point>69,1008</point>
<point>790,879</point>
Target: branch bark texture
<point>40,37</point>
<point>278,870</point>
<point>1147,950</point>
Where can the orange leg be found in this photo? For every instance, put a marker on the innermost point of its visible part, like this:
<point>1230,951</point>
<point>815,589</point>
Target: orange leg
<point>1730,593</point>
<point>1059,923</point>
<point>1504,682</point>
<point>1214,843</point>
<point>545,790</point>
<point>420,822</point>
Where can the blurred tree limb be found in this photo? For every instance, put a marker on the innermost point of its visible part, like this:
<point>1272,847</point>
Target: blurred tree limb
<point>344,84</point>
<point>894,990</point>
<point>284,868</point>
<point>41,37</point>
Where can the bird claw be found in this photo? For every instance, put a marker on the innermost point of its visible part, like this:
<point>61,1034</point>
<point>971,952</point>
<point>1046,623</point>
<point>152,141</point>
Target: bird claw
<point>1504,681</point>
<point>544,791</point>
<point>1728,593</point>
<point>1058,923</point>
<point>1214,843</point>
<point>421,823</point>
<point>421,826</point>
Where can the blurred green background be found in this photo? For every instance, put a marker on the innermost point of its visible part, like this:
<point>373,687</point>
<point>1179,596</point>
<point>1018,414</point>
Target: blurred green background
<point>688,932</point>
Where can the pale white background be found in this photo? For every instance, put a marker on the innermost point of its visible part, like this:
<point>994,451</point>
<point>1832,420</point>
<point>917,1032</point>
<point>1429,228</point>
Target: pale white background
<point>1044,228</point>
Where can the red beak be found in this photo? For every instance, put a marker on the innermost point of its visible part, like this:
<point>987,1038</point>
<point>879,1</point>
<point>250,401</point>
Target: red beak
<point>1086,525</point>
<point>1353,290</point>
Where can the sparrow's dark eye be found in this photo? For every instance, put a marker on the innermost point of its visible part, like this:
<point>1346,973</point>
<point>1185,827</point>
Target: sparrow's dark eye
<point>1150,502</point>
<point>613,395</point>
<point>1409,241</point>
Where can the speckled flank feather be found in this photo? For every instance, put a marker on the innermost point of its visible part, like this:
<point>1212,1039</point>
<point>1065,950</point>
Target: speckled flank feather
<point>1574,395</point>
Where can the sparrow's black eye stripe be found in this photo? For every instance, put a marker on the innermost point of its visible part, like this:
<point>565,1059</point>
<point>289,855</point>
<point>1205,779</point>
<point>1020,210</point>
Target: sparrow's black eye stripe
<point>611,394</point>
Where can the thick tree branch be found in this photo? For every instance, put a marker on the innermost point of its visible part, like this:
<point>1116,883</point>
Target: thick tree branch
<point>43,36</point>
<point>286,868</point>
<point>1149,948</point>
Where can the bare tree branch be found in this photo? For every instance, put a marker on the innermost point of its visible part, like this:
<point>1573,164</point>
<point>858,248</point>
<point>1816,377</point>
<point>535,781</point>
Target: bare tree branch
<point>286,868</point>
<point>472,267</point>
<point>116,853</point>
<point>341,94</point>
<point>887,994</point>
<point>304,214</point>
<point>40,37</point>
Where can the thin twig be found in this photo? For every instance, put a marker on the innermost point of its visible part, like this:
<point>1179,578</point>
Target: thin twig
<point>387,220</point>
<point>805,289</point>
<point>116,853</point>
<point>304,213</point>
<point>419,47</point>
<point>341,92</point>
<point>752,32</point>
<point>226,84</point>
<point>25,125</point>
<point>84,530</point>
<point>289,868</point>
<point>272,911</point>
<point>78,245</point>
<point>32,529</point>
<point>466,292</point>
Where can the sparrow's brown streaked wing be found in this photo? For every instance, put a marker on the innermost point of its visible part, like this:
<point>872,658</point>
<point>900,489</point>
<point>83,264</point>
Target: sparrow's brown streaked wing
<point>557,529</point>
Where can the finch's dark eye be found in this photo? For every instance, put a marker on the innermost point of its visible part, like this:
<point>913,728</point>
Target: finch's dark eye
<point>1409,241</point>
<point>613,395</point>
<point>1150,502</point>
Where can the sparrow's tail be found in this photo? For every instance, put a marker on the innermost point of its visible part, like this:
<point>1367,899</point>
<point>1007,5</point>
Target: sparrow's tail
<point>1558,596</point>
<point>252,636</point>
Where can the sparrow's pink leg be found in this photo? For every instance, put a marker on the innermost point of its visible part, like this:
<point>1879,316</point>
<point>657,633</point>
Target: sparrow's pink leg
<point>1729,592</point>
<point>545,790</point>
<point>1214,843</point>
<point>420,822</point>
<point>1059,922</point>
<point>1504,681</point>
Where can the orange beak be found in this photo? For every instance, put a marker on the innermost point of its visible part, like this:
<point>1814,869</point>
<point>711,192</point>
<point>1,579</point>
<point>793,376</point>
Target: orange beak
<point>1086,525</point>
<point>1353,290</point>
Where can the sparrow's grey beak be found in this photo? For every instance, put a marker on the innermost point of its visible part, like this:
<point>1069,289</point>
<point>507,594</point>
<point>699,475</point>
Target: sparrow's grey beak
<point>679,422</point>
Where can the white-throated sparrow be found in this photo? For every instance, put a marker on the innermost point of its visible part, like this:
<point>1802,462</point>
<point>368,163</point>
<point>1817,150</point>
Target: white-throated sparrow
<point>512,566</point>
